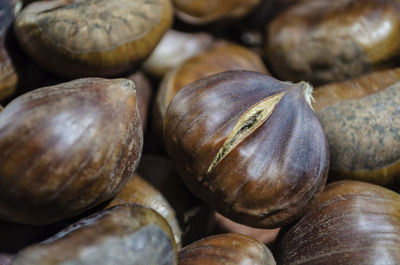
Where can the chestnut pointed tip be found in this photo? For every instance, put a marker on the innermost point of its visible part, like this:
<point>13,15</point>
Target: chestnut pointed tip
<point>307,90</point>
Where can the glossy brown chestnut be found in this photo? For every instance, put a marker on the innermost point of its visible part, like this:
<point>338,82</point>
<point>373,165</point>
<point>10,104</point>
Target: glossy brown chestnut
<point>248,145</point>
<point>223,56</point>
<point>202,12</point>
<point>125,234</point>
<point>227,249</point>
<point>8,75</point>
<point>355,88</point>
<point>195,219</point>
<point>363,136</point>
<point>67,148</point>
<point>351,223</point>
<point>79,38</point>
<point>323,41</point>
<point>139,191</point>
<point>174,48</point>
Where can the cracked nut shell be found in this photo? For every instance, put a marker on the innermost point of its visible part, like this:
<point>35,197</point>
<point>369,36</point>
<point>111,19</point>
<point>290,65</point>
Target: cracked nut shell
<point>248,145</point>
<point>67,148</point>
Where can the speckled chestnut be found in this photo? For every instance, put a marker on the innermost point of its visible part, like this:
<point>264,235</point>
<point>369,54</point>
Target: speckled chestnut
<point>355,88</point>
<point>78,38</point>
<point>364,137</point>
<point>122,235</point>
<point>227,249</point>
<point>248,145</point>
<point>324,41</point>
<point>351,223</point>
<point>223,56</point>
<point>67,148</point>
<point>202,12</point>
<point>138,190</point>
<point>8,74</point>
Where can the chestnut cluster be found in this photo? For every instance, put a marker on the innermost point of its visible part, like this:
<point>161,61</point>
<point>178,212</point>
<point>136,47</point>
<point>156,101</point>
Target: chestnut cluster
<point>199,132</point>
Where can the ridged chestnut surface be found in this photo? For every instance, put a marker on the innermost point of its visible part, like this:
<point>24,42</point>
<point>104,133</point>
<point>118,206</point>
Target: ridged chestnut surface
<point>249,145</point>
<point>351,223</point>
<point>138,190</point>
<point>123,235</point>
<point>201,12</point>
<point>92,37</point>
<point>227,249</point>
<point>67,148</point>
<point>223,56</point>
<point>323,41</point>
<point>364,137</point>
<point>355,88</point>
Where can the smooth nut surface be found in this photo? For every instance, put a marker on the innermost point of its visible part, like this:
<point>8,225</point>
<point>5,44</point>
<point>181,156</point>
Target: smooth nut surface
<point>67,148</point>
<point>321,41</point>
<point>92,37</point>
<point>248,145</point>
<point>351,223</point>
<point>122,235</point>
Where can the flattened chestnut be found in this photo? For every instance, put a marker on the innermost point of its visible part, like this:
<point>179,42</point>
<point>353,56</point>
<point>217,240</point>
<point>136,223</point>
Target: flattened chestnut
<point>122,235</point>
<point>350,223</point>
<point>67,148</point>
<point>248,145</point>
<point>78,38</point>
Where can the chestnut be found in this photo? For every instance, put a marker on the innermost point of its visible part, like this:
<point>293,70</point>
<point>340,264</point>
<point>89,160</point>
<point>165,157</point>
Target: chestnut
<point>138,190</point>
<point>125,234</point>
<point>227,249</point>
<point>349,223</point>
<point>173,49</point>
<point>324,41</point>
<point>223,56</point>
<point>78,38</point>
<point>66,148</point>
<point>8,74</point>
<point>363,137</point>
<point>200,12</point>
<point>249,146</point>
<point>354,88</point>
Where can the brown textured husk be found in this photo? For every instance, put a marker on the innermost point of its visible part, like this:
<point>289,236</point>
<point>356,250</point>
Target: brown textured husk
<point>223,56</point>
<point>355,88</point>
<point>227,249</point>
<point>92,37</point>
<point>201,12</point>
<point>323,41</point>
<point>125,234</point>
<point>269,179</point>
<point>351,223</point>
<point>363,137</point>
<point>67,148</point>
<point>138,190</point>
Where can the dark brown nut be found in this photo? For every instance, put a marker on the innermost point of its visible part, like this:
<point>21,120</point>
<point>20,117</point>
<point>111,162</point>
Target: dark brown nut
<point>195,219</point>
<point>139,191</point>
<point>66,148</point>
<point>224,225</point>
<point>248,145</point>
<point>174,48</point>
<point>351,223</point>
<point>125,234</point>
<point>364,137</point>
<point>143,95</point>
<point>201,12</point>
<point>8,74</point>
<point>355,88</point>
<point>227,249</point>
<point>221,57</point>
<point>323,41</point>
<point>92,37</point>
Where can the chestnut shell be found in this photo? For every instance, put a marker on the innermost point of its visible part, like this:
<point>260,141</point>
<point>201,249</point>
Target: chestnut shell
<point>269,176</point>
<point>67,148</point>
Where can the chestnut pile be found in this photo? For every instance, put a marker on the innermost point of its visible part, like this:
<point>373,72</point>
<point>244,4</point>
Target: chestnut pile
<point>199,132</point>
